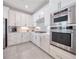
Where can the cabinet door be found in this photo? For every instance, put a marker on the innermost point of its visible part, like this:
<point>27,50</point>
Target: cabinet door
<point>65,3</point>
<point>37,40</point>
<point>54,5</point>
<point>33,38</point>
<point>72,14</point>
<point>26,37</point>
<point>18,19</point>
<point>45,42</point>
<point>18,38</point>
<point>12,18</point>
<point>12,39</point>
<point>23,20</point>
<point>29,20</point>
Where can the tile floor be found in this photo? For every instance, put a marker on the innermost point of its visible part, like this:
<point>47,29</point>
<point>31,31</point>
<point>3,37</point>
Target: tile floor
<point>25,51</point>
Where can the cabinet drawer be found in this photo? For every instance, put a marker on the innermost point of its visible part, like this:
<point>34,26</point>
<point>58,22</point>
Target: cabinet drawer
<point>59,52</point>
<point>55,54</point>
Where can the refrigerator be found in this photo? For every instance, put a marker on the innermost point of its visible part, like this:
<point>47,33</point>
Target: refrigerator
<point>4,33</point>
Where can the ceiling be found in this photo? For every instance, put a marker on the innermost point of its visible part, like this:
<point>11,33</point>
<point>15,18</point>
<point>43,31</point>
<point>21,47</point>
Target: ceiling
<point>32,5</point>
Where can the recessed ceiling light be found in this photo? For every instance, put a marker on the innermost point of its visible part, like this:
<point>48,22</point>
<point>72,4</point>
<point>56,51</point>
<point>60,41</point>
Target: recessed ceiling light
<point>26,6</point>
<point>42,13</point>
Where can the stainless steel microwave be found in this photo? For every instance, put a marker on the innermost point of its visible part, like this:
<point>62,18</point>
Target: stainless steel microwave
<point>67,15</point>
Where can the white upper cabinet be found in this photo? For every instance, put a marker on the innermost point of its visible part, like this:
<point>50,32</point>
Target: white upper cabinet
<point>67,3</point>
<point>18,18</point>
<point>58,4</point>
<point>29,20</point>
<point>53,5</point>
<point>23,19</point>
<point>12,18</point>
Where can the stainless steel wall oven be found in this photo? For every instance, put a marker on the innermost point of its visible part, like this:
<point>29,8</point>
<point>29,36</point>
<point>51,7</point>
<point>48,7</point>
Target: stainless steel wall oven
<point>64,38</point>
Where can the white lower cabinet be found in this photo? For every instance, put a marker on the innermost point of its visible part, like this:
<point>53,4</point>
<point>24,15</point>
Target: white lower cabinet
<point>44,42</point>
<point>41,40</point>
<point>60,54</point>
<point>12,39</point>
<point>17,38</point>
<point>37,39</point>
<point>26,36</point>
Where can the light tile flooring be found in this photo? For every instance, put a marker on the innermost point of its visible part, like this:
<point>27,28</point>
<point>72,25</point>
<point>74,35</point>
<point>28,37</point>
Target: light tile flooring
<point>25,51</point>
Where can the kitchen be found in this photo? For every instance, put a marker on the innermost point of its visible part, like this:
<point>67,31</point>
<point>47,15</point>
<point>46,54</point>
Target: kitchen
<point>33,26</point>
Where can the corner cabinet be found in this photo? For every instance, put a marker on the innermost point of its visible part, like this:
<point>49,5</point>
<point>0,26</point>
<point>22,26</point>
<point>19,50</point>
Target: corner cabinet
<point>26,36</point>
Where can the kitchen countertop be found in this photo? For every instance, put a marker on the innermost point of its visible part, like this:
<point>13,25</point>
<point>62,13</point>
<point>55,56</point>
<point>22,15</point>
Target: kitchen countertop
<point>40,32</point>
